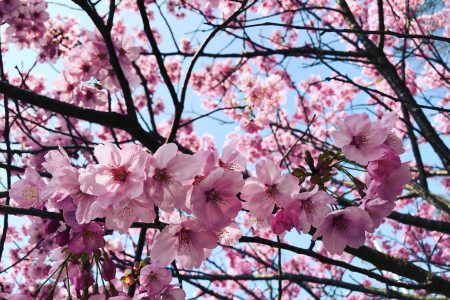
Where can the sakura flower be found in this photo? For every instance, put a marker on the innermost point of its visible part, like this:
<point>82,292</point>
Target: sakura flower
<point>172,292</point>
<point>86,238</point>
<point>120,219</point>
<point>108,270</point>
<point>26,192</point>
<point>359,138</point>
<point>377,210</point>
<point>119,176</point>
<point>64,192</point>
<point>268,188</point>
<point>80,276</point>
<point>168,174</point>
<point>391,186</point>
<point>231,158</point>
<point>214,200</point>
<point>387,122</point>
<point>186,242</point>
<point>229,235</point>
<point>309,208</point>
<point>344,227</point>
<point>281,222</point>
<point>154,278</point>
<point>56,159</point>
<point>385,165</point>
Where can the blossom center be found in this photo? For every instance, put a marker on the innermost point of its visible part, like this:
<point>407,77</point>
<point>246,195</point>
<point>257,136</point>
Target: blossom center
<point>30,193</point>
<point>340,224</point>
<point>270,190</point>
<point>214,196</point>
<point>183,239</point>
<point>162,176</point>
<point>225,165</point>
<point>309,207</point>
<point>198,179</point>
<point>359,140</point>
<point>120,173</point>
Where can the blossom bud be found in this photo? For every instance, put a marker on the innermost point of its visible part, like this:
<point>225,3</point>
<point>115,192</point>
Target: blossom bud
<point>109,270</point>
<point>51,226</point>
<point>62,238</point>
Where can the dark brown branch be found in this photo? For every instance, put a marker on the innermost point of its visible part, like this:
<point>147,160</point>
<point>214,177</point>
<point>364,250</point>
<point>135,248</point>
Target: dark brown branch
<point>430,225</point>
<point>303,278</point>
<point>156,52</point>
<point>429,281</point>
<point>351,30</point>
<point>47,215</point>
<point>108,119</point>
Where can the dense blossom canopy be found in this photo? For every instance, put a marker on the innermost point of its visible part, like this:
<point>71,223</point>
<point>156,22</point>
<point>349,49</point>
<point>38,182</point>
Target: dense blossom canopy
<point>265,149</point>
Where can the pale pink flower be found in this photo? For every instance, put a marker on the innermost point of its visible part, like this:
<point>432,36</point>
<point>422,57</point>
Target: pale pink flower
<point>118,177</point>
<point>56,159</point>
<point>344,227</point>
<point>390,187</point>
<point>309,208</point>
<point>168,175</point>
<point>359,138</point>
<point>120,219</point>
<point>231,158</point>
<point>86,238</point>
<point>377,209</point>
<point>153,278</point>
<point>214,200</point>
<point>387,122</point>
<point>172,292</point>
<point>26,192</point>
<point>268,188</point>
<point>229,235</point>
<point>186,242</point>
<point>281,222</point>
<point>63,192</point>
<point>385,165</point>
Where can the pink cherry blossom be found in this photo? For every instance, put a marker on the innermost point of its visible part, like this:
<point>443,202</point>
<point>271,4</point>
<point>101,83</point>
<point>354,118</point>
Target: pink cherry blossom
<point>309,208</point>
<point>229,235</point>
<point>154,278</point>
<point>168,175</point>
<point>56,159</point>
<point>118,177</point>
<point>385,165</point>
<point>64,192</point>
<point>388,122</point>
<point>26,192</point>
<point>281,222</point>
<point>120,219</point>
<point>377,210</point>
<point>231,158</point>
<point>391,186</point>
<point>214,200</point>
<point>172,292</point>
<point>267,189</point>
<point>185,242</point>
<point>344,227</point>
<point>86,238</point>
<point>359,138</point>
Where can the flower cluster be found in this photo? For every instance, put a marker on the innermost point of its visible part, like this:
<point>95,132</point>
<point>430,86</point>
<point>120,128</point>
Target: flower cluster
<point>127,184</point>
<point>26,21</point>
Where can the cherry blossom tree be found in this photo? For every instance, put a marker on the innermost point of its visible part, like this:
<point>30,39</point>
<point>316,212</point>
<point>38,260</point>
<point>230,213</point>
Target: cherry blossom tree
<point>235,149</point>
